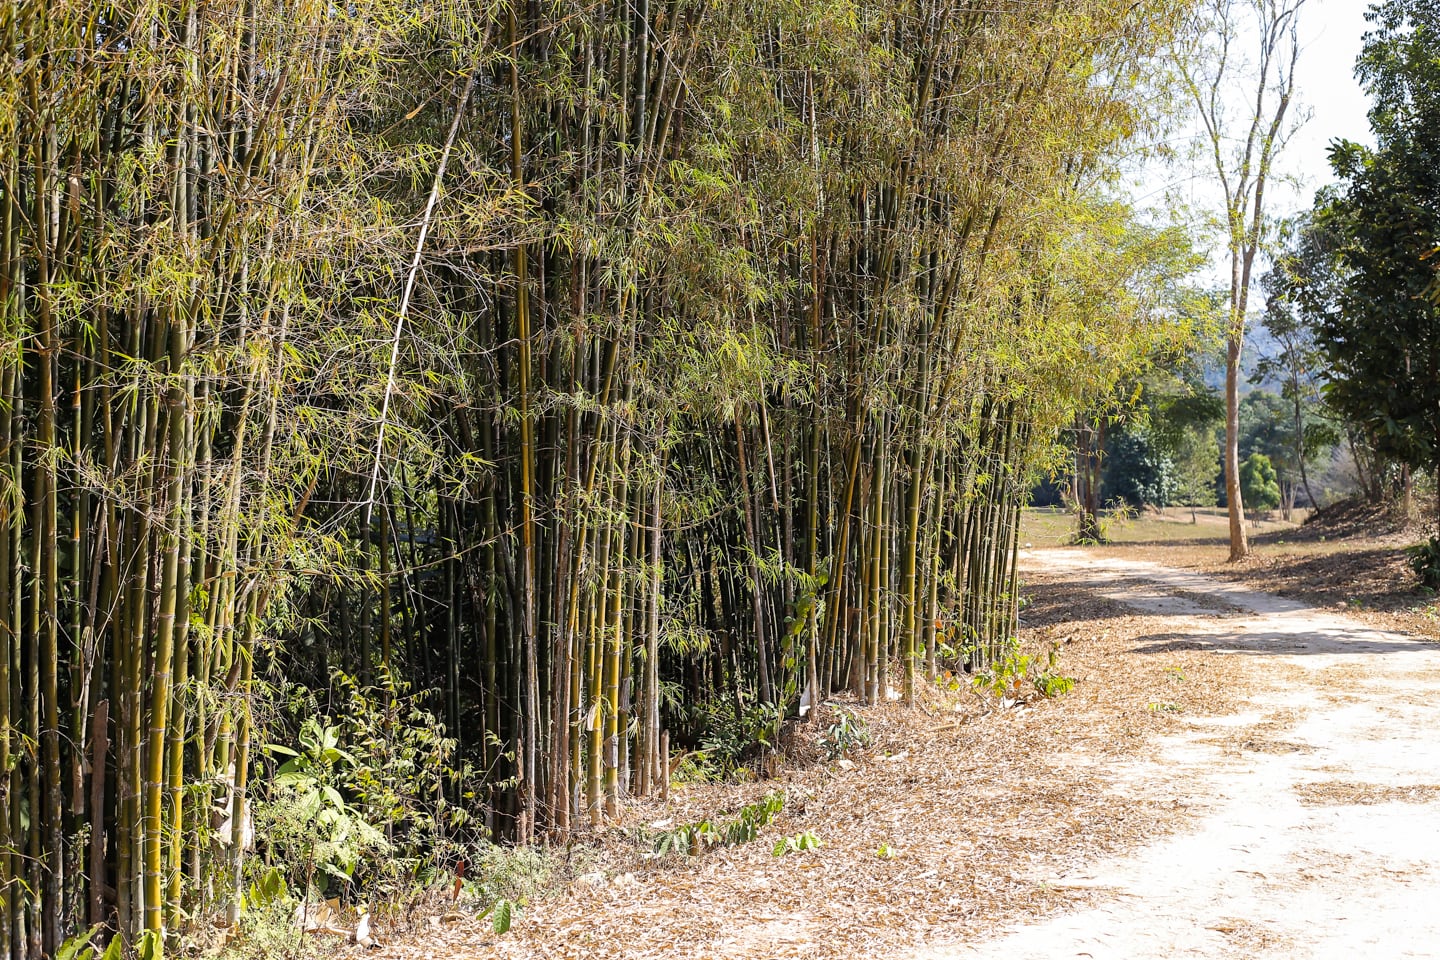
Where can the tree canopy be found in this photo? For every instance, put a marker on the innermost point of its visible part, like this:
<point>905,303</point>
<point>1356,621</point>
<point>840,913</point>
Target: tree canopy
<point>1376,318</point>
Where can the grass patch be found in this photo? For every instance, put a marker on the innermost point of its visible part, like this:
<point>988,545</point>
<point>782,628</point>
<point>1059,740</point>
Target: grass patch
<point>1055,527</point>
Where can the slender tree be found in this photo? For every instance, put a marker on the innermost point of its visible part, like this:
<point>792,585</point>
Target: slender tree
<point>1242,52</point>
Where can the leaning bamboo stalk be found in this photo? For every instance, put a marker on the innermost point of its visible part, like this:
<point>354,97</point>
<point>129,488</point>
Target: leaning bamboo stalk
<point>407,292</point>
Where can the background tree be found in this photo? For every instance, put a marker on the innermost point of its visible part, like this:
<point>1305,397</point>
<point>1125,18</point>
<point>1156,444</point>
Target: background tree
<point>1197,469</point>
<point>1185,415</point>
<point>1260,484</point>
<point>1164,452</point>
<point>1306,291</point>
<point>1242,150</point>
<point>1267,427</point>
<point>1137,469</point>
<point>1129,382</point>
<point>1297,362</point>
<point>1381,329</point>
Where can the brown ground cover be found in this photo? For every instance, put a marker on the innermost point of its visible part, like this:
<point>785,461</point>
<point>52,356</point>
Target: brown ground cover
<point>941,827</point>
<point>945,826</point>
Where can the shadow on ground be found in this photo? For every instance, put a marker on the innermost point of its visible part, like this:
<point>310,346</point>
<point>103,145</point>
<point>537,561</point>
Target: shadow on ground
<point>1319,639</point>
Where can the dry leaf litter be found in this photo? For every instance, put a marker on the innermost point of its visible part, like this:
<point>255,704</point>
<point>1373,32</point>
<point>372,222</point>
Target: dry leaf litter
<point>976,804</point>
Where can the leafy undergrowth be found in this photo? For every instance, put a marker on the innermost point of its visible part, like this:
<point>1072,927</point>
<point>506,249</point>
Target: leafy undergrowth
<point>493,888</point>
<point>900,827</point>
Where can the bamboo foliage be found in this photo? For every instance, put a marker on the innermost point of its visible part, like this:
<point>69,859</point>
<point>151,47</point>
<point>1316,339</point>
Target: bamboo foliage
<point>159,166</point>
<point>624,373</point>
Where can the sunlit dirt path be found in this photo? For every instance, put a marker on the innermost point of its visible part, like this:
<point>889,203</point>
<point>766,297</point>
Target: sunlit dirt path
<point>1320,837</point>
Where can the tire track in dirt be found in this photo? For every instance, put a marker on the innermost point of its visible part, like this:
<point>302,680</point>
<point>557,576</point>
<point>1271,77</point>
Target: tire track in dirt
<point>1321,830</point>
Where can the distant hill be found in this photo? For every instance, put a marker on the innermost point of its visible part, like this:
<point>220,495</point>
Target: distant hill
<point>1258,344</point>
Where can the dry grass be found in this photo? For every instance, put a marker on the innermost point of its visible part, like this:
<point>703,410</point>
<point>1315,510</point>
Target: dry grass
<point>1250,936</point>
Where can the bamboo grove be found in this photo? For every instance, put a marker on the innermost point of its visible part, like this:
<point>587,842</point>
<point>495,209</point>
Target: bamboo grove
<point>605,372</point>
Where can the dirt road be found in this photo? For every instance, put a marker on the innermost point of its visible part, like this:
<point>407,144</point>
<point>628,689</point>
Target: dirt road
<point>1320,838</point>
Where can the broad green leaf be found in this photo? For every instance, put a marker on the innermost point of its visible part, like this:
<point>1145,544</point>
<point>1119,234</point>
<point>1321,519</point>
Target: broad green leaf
<point>78,947</point>
<point>502,915</point>
<point>150,946</point>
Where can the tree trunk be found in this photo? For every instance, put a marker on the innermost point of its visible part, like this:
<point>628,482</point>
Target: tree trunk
<point>1239,540</point>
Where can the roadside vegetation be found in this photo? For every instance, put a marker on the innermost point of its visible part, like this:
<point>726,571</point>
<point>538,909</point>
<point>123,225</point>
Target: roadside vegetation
<point>1339,403</point>
<point>446,447</point>
<point>423,424</point>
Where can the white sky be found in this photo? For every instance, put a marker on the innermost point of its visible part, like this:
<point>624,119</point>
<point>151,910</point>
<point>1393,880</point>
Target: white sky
<point>1328,95</point>
<point>1327,92</point>
<point>1330,31</point>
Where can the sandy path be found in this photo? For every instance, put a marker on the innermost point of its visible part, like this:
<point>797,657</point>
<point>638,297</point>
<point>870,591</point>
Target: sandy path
<point>1320,837</point>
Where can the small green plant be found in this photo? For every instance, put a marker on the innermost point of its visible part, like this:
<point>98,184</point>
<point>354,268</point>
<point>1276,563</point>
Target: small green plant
<point>1010,676</point>
<point>271,928</point>
<point>149,946</point>
<point>846,732</point>
<point>1095,534</point>
<point>886,852</point>
<point>688,839</point>
<point>510,873</point>
<point>309,823</point>
<point>696,767</point>
<point>502,914</point>
<point>79,947</point>
<point>805,840</point>
<point>266,889</point>
<point>1164,707</point>
<point>733,741</point>
<point>361,801</point>
<point>693,838</point>
<point>1425,562</point>
<point>505,878</point>
<point>1003,677</point>
<point>1053,685</point>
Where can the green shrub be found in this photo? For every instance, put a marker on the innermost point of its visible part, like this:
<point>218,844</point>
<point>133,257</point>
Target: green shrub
<point>364,804</point>
<point>799,843</point>
<point>1010,676</point>
<point>846,733</point>
<point>692,838</point>
<point>1259,485</point>
<point>731,743</point>
<point>308,825</point>
<point>1425,561</point>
